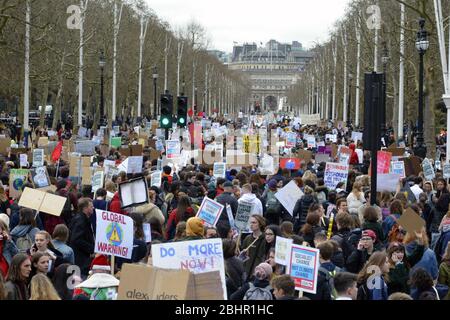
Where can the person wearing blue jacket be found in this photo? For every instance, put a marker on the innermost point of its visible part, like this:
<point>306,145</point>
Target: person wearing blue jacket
<point>428,261</point>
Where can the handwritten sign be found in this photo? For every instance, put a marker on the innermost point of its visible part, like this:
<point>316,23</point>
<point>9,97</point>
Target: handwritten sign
<point>156,179</point>
<point>243,216</point>
<point>210,211</point>
<point>383,162</point>
<point>38,158</point>
<point>334,174</point>
<point>114,234</point>
<point>446,171</point>
<point>172,149</point>
<point>398,167</point>
<point>282,250</point>
<point>219,170</point>
<point>289,195</point>
<point>428,170</point>
<point>198,256</point>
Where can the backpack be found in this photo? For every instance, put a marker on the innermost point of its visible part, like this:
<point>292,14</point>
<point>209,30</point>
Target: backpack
<point>345,243</point>
<point>256,293</point>
<point>272,202</point>
<point>329,276</point>
<point>24,243</point>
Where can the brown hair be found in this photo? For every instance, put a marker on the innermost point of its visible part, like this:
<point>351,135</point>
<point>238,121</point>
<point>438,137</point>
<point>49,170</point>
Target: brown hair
<point>339,201</point>
<point>370,214</point>
<point>344,220</point>
<point>326,250</point>
<point>410,237</point>
<point>285,283</point>
<point>376,259</point>
<point>312,219</point>
<point>396,207</point>
<point>14,274</point>
<point>61,233</point>
<point>261,221</point>
<point>27,217</point>
<point>83,203</point>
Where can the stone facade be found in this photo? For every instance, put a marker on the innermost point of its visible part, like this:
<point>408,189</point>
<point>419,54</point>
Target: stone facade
<point>272,69</point>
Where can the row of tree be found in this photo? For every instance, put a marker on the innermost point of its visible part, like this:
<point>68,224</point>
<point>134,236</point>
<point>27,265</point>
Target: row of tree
<point>333,86</point>
<point>54,59</point>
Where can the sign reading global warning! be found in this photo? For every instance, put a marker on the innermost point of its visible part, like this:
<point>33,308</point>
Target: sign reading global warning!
<point>303,267</point>
<point>114,234</point>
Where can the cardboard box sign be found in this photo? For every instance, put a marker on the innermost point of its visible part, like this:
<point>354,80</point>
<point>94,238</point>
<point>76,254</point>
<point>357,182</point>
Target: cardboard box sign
<point>138,282</point>
<point>154,154</point>
<point>396,152</point>
<point>305,155</point>
<point>413,165</point>
<point>125,151</point>
<point>86,176</point>
<point>136,150</point>
<point>42,142</point>
<point>5,145</point>
<point>42,201</point>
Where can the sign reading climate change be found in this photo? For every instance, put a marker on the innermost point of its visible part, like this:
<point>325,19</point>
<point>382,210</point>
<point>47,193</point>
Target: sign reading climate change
<point>114,234</point>
<point>303,267</point>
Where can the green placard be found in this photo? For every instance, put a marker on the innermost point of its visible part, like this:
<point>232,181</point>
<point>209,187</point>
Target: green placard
<point>116,142</point>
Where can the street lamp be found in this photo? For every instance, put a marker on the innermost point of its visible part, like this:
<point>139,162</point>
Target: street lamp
<point>102,64</point>
<point>155,101</point>
<point>422,45</point>
<point>385,61</point>
<point>349,120</point>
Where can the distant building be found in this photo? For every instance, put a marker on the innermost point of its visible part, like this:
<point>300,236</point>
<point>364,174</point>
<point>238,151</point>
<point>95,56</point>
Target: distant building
<point>222,56</point>
<point>272,69</point>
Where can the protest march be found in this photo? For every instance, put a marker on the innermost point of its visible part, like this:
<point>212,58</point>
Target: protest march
<point>202,219</point>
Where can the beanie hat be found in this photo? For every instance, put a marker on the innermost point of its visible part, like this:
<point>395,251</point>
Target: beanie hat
<point>263,271</point>
<point>194,227</point>
<point>272,184</point>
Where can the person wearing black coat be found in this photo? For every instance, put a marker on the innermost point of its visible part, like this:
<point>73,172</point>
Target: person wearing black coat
<point>82,238</point>
<point>226,198</point>
<point>301,208</point>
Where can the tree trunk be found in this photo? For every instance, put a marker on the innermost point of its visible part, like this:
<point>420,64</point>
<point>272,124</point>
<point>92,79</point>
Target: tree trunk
<point>44,99</point>
<point>58,103</point>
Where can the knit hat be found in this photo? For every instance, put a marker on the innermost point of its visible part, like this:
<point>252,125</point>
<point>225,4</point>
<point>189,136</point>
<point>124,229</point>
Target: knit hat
<point>194,227</point>
<point>272,184</point>
<point>263,271</point>
<point>369,233</point>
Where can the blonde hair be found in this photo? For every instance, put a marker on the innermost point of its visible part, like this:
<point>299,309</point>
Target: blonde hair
<point>110,186</point>
<point>308,175</point>
<point>42,288</point>
<point>410,237</point>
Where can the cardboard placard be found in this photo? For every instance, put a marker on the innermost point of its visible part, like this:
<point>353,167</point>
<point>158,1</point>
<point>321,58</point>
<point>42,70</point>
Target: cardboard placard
<point>86,176</point>
<point>136,150</point>
<point>305,155</point>
<point>42,142</point>
<point>17,178</point>
<point>139,282</point>
<point>411,221</point>
<point>5,145</point>
<point>396,152</point>
<point>42,201</point>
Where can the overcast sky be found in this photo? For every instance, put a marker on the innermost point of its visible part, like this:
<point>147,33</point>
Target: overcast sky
<point>306,21</point>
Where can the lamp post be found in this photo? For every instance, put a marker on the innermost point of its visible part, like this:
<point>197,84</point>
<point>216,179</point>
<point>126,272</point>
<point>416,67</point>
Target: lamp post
<point>384,60</point>
<point>422,45</point>
<point>155,101</point>
<point>349,120</point>
<point>102,64</point>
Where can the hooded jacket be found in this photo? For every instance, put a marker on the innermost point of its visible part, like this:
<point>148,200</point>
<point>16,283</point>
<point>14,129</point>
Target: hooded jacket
<point>257,207</point>
<point>21,230</point>
<point>115,205</point>
<point>149,210</point>
<point>354,157</point>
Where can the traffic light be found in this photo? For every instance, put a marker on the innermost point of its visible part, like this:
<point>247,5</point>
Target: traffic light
<point>165,120</point>
<point>182,103</point>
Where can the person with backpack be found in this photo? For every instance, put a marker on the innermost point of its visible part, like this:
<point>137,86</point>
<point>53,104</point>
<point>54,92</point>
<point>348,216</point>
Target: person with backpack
<point>24,233</point>
<point>7,249</point>
<point>302,206</point>
<point>273,207</point>
<point>227,198</point>
<point>371,279</point>
<point>183,212</point>
<point>327,271</point>
<point>344,223</point>
<point>259,288</point>
<point>396,210</point>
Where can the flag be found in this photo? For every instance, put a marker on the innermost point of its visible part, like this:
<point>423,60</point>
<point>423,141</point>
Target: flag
<point>56,154</point>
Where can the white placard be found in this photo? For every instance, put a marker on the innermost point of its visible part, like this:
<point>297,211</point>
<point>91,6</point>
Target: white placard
<point>147,232</point>
<point>97,180</point>
<point>446,171</point>
<point>38,158</point>
<point>282,250</point>
<point>334,174</point>
<point>387,182</point>
<point>428,170</point>
<point>289,195</point>
<point>114,234</point>
<point>398,167</point>
<point>197,256</point>
<point>173,149</point>
<point>23,160</point>
<point>156,179</point>
<point>219,169</point>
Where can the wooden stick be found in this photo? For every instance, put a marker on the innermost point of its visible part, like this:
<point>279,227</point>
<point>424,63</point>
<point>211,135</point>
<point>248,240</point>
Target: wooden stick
<point>112,264</point>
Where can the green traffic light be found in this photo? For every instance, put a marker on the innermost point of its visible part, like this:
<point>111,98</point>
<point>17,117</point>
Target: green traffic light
<point>181,120</point>
<point>165,121</point>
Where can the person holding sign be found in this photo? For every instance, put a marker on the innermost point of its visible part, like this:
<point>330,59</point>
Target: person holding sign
<point>82,238</point>
<point>254,245</point>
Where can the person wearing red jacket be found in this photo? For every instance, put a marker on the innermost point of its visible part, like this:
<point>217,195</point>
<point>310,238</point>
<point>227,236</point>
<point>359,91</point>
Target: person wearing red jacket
<point>354,157</point>
<point>183,212</point>
<point>115,205</point>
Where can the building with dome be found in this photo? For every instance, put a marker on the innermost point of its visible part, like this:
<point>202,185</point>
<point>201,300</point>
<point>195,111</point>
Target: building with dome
<point>272,69</point>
